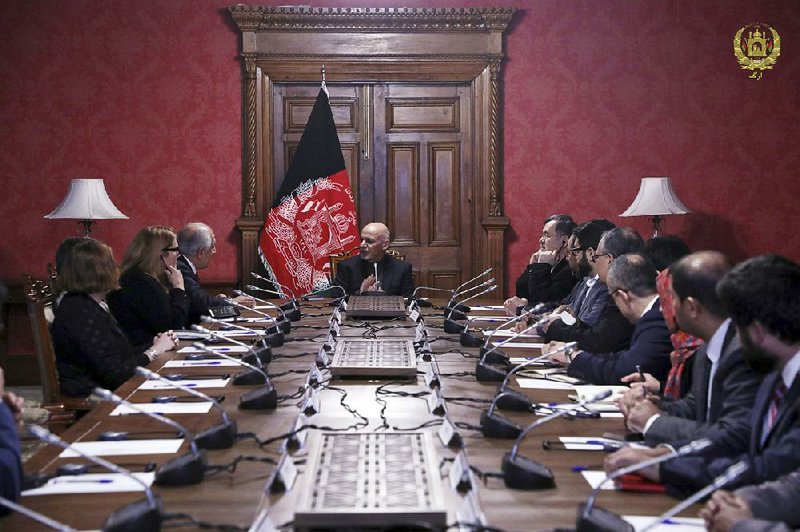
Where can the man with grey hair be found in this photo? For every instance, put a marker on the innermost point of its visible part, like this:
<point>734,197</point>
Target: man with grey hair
<point>632,286</point>
<point>372,270</point>
<point>198,246</point>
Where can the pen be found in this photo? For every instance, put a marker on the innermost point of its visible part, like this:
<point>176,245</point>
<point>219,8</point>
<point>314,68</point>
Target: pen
<point>641,373</point>
<point>76,480</point>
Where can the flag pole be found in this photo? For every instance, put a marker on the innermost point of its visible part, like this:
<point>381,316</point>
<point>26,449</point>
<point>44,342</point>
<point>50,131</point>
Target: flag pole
<point>324,87</point>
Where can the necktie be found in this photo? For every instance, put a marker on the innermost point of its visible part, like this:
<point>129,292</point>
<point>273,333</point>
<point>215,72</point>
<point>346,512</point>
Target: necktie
<point>778,395</point>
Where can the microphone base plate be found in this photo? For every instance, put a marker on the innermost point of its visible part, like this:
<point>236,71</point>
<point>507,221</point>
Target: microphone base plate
<point>522,473</point>
<point>600,520</point>
<point>496,426</point>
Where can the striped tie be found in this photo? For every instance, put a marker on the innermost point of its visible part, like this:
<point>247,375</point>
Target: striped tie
<point>775,406</point>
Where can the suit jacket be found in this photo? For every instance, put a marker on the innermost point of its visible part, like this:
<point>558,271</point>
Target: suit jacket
<point>759,525</point>
<point>650,348</point>
<point>143,309</point>
<point>612,331</point>
<point>10,464</point>
<point>777,500</point>
<point>199,300</point>
<point>91,350</point>
<point>742,441</point>
<point>542,283</point>
<point>394,275</point>
<point>733,392</point>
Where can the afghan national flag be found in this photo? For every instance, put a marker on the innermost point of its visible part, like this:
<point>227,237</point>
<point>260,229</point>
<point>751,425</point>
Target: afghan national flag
<point>313,215</point>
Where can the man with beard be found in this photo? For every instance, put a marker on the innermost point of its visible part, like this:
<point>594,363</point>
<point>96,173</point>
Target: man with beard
<point>723,387</point>
<point>760,295</point>
<point>357,274</point>
<point>547,277</point>
<point>610,331</point>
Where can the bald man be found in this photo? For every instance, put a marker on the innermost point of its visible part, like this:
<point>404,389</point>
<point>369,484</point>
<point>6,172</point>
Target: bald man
<point>357,274</point>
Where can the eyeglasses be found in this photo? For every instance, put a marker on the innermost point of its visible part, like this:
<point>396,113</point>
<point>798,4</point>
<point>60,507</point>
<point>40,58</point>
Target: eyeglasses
<point>574,251</point>
<point>611,294</point>
<point>175,249</point>
<point>596,255</point>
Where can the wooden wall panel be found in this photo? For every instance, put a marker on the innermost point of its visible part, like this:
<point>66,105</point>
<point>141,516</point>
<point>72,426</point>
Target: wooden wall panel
<point>403,200</point>
<point>445,190</point>
<point>422,115</point>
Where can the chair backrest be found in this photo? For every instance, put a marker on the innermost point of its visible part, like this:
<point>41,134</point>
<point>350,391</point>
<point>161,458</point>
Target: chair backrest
<point>40,299</point>
<point>336,259</point>
<point>396,254</point>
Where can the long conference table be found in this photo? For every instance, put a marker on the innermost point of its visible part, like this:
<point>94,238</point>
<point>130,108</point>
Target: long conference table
<point>262,492</point>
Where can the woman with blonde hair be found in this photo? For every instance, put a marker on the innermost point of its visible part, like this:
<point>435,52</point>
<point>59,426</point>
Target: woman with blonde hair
<point>91,349</point>
<point>151,299</point>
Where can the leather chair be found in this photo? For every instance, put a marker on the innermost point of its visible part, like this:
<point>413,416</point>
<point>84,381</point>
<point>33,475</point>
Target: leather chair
<point>336,259</point>
<point>63,410</point>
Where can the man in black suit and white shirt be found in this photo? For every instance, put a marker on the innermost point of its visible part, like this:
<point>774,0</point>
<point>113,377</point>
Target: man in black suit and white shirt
<point>357,274</point>
<point>198,246</point>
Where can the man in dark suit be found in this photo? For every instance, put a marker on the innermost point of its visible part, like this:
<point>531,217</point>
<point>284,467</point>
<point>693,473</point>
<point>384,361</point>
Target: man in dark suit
<point>547,277</point>
<point>723,386</point>
<point>632,284</point>
<point>760,295</point>
<point>10,465</point>
<point>198,246</point>
<point>358,274</point>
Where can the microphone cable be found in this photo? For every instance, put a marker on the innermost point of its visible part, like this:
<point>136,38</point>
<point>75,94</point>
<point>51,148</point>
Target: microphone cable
<point>213,469</point>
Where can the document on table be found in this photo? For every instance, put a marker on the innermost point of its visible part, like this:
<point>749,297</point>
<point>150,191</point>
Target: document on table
<point>257,320</point>
<point>605,410</point>
<point>673,524</point>
<point>124,447</point>
<point>236,333</point>
<point>566,317</point>
<point>487,307</point>
<point>488,318</point>
<point>521,345</point>
<point>580,443</point>
<point>506,333</point>
<point>205,363</point>
<point>227,349</point>
<point>196,383</point>
<point>594,478</point>
<point>543,384</point>
<point>92,483</point>
<point>588,391</point>
<point>194,407</point>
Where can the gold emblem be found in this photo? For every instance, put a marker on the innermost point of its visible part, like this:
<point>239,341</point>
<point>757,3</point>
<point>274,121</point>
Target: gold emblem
<point>757,47</point>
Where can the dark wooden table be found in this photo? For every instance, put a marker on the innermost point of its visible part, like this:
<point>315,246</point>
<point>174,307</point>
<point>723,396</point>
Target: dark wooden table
<point>236,498</point>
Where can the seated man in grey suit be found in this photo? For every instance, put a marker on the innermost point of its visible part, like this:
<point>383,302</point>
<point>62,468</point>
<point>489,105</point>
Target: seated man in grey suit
<point>771,506</point>
<point>723,386</point>
<point>198,246</point>
<point>372,270</point>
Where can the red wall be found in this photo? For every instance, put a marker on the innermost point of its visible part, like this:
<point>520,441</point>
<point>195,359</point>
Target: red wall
<point>598,94</point>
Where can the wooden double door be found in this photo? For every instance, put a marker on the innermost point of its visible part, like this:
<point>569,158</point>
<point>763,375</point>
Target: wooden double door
<point>407,148</point>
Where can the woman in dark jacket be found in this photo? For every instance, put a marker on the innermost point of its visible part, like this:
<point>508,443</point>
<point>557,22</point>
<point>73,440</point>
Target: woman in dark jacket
<point>91,349</point>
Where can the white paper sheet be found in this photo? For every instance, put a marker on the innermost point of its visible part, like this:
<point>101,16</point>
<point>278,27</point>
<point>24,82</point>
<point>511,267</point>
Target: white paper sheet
<point>604,409</point>
<point>227,349</point>
<point>239,319</point>
<point>92,483</point>
<point>588,390</point>
<point>198,383</point>
<point>218,363</point>
<point>236,333</point>
<point>566,317</point>
<point>580,443</point>
<point>543,384</point>
<point>675,524</point>
<point>191,335</point>
<point>489,318</point>
<point>520,345</point>
<point>516,361</point>
<point>194,407</point>
<point>505,333</point>
<point>594,478</point>
<point>125,447</point>
<point>487,307</point>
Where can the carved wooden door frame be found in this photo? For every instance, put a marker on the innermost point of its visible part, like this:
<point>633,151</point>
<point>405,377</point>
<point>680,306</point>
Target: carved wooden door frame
<point>374,45</point>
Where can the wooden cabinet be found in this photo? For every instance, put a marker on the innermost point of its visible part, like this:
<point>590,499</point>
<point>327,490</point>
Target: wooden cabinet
<point>416,97</point>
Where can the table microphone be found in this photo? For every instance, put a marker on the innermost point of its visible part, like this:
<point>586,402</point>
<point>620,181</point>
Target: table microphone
<point>424,302</point>
<point>499,356</point>
<point>274,334</point>
<point>507,399</point>
<point>245,378</point>
<point>146,514</point>
<point>292,313</point>
<point>459,310</point>
<point>486,373</point>
<point>523,473</point>
<point>457,291</point>
<point>591,519</point>
<point>36,516</point>
<point>729,475</point>
<point>221,436</point>
<point>258,356</point>
<point>451,326</point>
<point>289,305</point>
<point>282,322</point>
<point>336,302</point>
<point>279,325</point>
<point>180,471</point>
<point>265,398</point>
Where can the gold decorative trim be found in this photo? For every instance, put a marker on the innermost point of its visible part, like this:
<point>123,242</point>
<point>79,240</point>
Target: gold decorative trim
<point>367,19</point>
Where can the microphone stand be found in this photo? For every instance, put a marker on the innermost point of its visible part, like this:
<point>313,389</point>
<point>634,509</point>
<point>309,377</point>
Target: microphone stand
<point>289,305</point>
<point>513,400</point>
<point>457,291</point>
<point>499,357</point>
<point>265,398</point>
<point>274,333</point>
<point>221,436</point>
<point>451,326</point>
<point>591,519</point>
<point>259,356</point>
<point>458,311</point>
<point>245,378</point>
<point>523,473</point>
<point>487,373</point>
<point>292,313</point>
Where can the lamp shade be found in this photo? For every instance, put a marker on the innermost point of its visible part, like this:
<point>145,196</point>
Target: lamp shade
<point>656,197</point>
<point>87,199</point>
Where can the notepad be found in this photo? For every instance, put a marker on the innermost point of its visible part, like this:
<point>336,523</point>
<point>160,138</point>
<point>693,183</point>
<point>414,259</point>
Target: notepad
<point>588,391</point>
<point>92,483</point>
<point>674,524</point>
<point>194,407</point>
<point>227,349</point>
<point>580,443</point>
<point>594,478</point>
<point>506,333</point>
<point>542,384</point>
<point>521,345</point>
<point>487,307</point>
<point>124,447</point>
<point>197,383</point>
<point>206,363</point>
<point>488,318</point>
